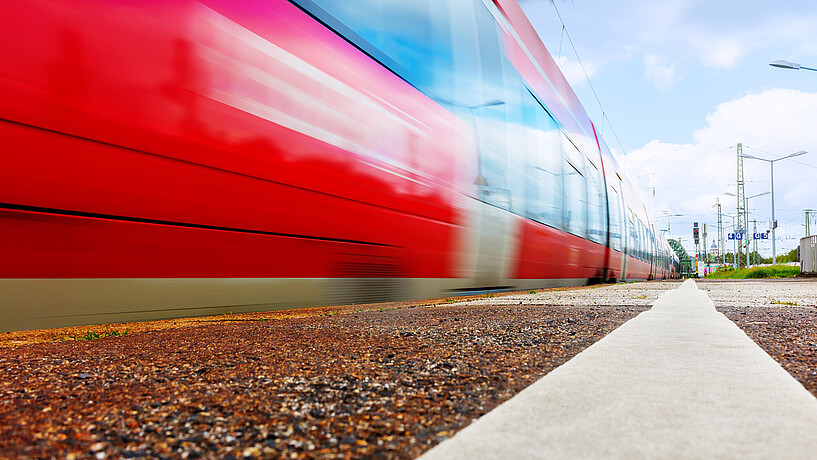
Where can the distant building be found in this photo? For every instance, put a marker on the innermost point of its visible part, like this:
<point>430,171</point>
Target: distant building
<point>713,251</point>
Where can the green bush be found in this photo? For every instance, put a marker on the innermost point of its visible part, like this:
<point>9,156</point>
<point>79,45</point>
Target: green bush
<point>772,271</point>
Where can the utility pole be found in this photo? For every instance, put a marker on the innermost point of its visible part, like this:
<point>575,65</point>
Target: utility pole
<point>705,252</point>
<point>720,232</point>
<point>743,226</point>
<point>808,221</point>
<point>696,240</point>
<point>754,241</point>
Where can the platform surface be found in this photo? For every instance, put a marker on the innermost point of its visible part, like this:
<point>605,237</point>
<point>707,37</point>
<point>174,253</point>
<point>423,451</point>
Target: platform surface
<point>678,381</point>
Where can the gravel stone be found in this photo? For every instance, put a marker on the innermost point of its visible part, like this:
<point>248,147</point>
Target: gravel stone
<point>780,315</point>
<point>386,381</point>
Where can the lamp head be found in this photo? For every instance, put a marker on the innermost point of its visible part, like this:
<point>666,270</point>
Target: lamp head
<point>785,64</point>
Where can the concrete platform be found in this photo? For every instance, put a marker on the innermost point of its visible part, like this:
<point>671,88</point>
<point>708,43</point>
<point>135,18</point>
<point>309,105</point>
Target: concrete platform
<point>678,381</point>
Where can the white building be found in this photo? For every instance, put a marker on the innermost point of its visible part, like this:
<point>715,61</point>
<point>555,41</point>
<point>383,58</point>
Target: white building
<point>713,251</point>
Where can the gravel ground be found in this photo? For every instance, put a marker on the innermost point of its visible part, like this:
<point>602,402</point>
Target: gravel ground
<point>383,381</point>
<point>780,315</point>
<point>386,381</point>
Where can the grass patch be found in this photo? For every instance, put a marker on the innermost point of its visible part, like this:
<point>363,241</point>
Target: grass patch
<point>93,335</point>
<point>772,271</point>
<point>783,302</point>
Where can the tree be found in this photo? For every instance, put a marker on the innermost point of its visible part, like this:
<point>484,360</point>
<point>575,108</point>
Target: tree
<point>756,258</point>
<point>791,256</point>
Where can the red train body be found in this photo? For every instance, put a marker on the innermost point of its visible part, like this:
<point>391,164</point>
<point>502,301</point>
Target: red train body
<point>175,158</point>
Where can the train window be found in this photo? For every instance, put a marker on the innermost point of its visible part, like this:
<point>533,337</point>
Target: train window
<point>632,238</point>
<point>493,61</point>
<point>518,133</point>
<point>543,168</point>
<point>615,219</point>
<point>575,207</point>
<point>571,152</point>
<point>493,157</point>
<point>415,35</point>
<point>466,93</point>
<point>643,241</point>
<point>621,209</point>
<point>494,113</point>
<point>595,209</point>
<point>640,240</point>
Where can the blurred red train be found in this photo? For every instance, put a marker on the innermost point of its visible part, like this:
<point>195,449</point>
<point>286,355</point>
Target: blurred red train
<point>176,158</point>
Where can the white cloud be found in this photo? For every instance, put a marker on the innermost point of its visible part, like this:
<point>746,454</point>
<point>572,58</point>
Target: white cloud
<point>720,52</point>
<point>572,70</point>
<point>779,119</point>
<point>689,177</point>
<point>694,31</point>
<point>662,73</point>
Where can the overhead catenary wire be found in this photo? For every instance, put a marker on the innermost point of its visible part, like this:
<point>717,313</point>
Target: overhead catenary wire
<point>681,163</point>
<point>604,117</point>
<point>561,39</point>
<point>566,32</point>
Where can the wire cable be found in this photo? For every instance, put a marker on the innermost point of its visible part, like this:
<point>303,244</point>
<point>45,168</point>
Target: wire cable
<point>675,165</point>
<point>587,77</point>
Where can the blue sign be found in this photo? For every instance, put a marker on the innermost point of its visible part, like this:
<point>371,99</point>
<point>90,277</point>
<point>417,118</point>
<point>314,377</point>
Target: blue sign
<point>731,236</point>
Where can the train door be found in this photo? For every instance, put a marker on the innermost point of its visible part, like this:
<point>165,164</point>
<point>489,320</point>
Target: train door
<point>625,228</point>
<point>616,233</point>
<point>653,256</point>
<point>483,83</point>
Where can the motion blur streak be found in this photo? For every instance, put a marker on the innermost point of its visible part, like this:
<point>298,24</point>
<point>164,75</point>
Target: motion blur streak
<point>177,158</point>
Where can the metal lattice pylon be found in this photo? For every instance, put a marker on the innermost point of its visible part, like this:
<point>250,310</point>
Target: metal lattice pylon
<point>743,225</point>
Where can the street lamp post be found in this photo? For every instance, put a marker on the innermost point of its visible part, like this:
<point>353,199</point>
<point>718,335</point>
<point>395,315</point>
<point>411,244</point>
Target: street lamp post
<point>735,244</point>
<point>789,65</point>
<point>771,168</point>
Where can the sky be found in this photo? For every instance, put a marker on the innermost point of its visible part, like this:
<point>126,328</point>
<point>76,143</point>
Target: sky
<point>679,83</point>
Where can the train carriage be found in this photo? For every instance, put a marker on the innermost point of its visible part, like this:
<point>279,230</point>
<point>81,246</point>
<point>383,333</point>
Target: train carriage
<point>176,158</point>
